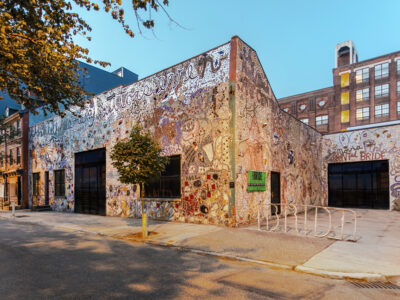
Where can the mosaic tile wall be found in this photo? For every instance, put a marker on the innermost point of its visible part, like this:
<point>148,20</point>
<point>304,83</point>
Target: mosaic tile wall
<point>187,109</point>
<point>268,139</point>
<point>381,143</point>
<point>194,110</point>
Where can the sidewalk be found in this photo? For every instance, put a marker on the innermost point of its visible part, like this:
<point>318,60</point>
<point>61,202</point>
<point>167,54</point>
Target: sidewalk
<point>375,256</point>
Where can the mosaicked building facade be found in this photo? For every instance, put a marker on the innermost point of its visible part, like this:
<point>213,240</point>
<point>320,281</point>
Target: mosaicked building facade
<point>233,149</point>
<point>215,114</point>
<point>372,159</point>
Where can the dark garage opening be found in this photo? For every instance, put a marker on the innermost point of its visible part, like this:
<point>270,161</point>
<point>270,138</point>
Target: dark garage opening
<point>90,181</point>
<point>359,185</point>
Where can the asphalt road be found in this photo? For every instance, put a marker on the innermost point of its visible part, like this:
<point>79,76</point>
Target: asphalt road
<point>38,262</point>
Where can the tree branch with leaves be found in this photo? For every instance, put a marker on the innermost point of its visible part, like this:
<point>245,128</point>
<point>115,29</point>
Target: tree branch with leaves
<point>38,55</point>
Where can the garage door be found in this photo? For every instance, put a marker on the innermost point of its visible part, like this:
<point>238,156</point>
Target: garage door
<point>90,193</point>
<point>359,185</point>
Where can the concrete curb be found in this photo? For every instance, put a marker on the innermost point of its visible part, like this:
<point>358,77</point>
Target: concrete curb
<point>298,268</point>
<point>222,255</point>
<point>342,275</point>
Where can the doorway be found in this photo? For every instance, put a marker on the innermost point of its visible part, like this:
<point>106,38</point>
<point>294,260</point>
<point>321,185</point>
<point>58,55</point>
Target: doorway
<point>19,193</point>
<point>46,188</point>
<point>90,175</point>
<point>275,192</point>
<point>359,184</point>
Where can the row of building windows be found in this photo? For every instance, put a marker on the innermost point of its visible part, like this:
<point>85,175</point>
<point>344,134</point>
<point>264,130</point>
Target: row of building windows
<point>380,111</point>
<point>167,185</point>
<point>361,114</point>
<point>319,120</point>
<point>14,130</point>
<point>362,75</point>
<point>11,159</point>
<point>363,94</point>
<point>59,183</point>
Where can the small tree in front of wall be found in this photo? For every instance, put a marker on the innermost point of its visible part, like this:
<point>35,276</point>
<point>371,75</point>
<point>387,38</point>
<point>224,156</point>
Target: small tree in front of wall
<point>137,159</point>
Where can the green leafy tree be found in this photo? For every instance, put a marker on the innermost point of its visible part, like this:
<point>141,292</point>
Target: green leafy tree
<point>38,55</point>
<point>137,159</point>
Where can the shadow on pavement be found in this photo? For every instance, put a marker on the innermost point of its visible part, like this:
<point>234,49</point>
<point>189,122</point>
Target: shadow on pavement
<point>37,262</point>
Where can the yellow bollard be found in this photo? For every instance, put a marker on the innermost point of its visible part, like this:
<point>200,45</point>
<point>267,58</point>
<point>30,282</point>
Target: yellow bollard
<point>144,225</point>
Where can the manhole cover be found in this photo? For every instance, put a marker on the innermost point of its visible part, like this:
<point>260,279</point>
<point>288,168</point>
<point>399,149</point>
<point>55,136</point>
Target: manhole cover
<point>375,285</point>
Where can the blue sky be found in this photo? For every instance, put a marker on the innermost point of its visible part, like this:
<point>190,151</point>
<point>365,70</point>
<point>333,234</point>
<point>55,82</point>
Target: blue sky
<point>294,40</point>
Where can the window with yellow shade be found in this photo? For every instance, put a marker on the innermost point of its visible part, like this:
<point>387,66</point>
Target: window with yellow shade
<point>344,98</point>
<point>345,79</point>
<point>345,116</point>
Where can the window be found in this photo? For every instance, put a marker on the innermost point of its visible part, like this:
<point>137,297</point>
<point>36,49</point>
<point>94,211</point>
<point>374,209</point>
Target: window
<point>381,110</point>
<point>362,113</point>
<point>398,107</point>
<point>344,98</point>
<point>344,79</point>
<point>344,117</point>
<point>11,157</point>
<point>321,120</point>
<point>398,66</point>
<point>382,70</point>
<point>398,87</point>
<point>362,75</point>
<point>305,121</point>
<point>18,126</point>
<point>36,184</point>
<point>362,95</point>
<point>18,156</point>
<point>168,184</point>
<point>59,183</point>
<point>381,90</point>
<point>1,159</point>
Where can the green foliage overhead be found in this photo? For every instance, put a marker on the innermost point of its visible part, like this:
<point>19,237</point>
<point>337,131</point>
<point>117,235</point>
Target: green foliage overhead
<point>138,158</point>
<point>38,55</point>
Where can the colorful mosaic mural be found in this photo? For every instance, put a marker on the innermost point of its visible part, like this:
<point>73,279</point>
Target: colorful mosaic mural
<point>186,108</point>
<point>367,145</point>
<point>268,139</point>
<point>218,112</point>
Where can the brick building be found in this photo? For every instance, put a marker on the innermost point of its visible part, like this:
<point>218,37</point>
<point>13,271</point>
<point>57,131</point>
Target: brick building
<point>363,93</point>
<point>14,142</point>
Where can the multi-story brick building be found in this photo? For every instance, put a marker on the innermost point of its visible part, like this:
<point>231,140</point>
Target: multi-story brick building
<point>14,142</point>
<point>363,93</point>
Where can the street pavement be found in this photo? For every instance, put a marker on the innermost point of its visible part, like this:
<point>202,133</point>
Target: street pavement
<point>375,255</point>
<point>39,261</point>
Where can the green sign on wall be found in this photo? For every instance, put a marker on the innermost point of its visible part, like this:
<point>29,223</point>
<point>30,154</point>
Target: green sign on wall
<point>256,181</point>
